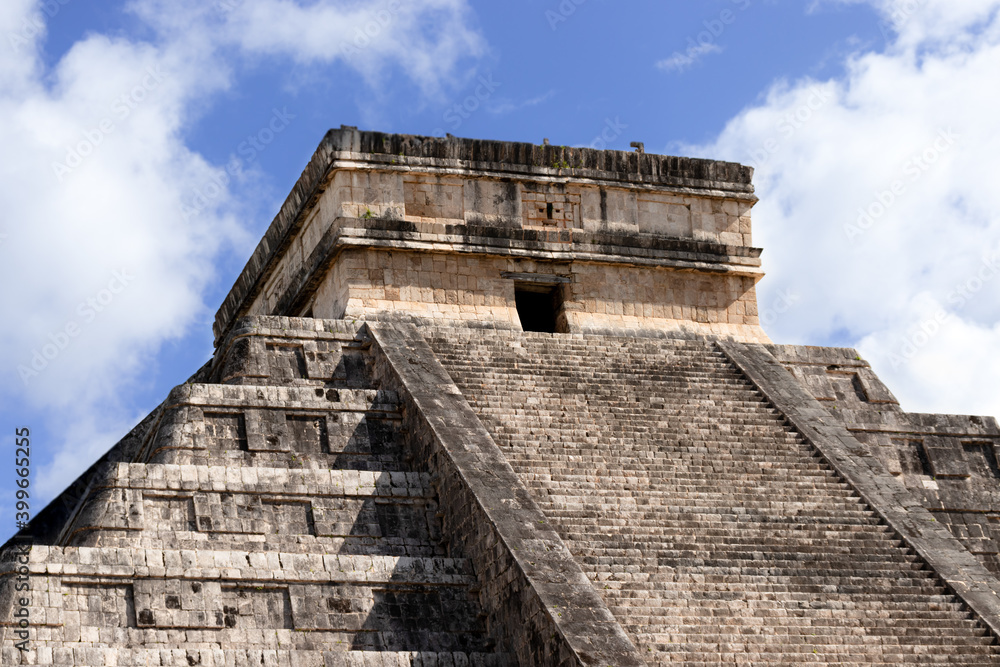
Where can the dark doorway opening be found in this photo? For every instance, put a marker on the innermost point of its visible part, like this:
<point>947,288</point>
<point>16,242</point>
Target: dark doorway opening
<point>538,307</point>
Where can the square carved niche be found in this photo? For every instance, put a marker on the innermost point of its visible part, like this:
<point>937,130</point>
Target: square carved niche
<point>550,209</point>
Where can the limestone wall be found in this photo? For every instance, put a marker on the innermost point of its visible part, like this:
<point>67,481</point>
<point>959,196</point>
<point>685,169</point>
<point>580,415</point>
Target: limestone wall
<point>371,284</point>
<point>386,285</point>
<point>438,202</point>
<point>458,199</point>
<point>606,299</point>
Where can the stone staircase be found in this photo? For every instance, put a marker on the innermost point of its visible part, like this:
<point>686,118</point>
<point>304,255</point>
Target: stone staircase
<point>270,517</point>
<point>714,532</point>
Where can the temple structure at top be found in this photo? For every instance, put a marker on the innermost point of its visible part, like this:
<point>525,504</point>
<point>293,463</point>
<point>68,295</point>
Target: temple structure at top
<point>509,236</point>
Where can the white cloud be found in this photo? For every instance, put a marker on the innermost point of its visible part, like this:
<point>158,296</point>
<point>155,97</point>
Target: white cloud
<point>877,199</point>
<point>426,38</point>
<point>99,263</point>
<point>942,357</point>
<point>916,24</point>
<point>682,60</point>
<point>507,106</point>
<point>101,268</point>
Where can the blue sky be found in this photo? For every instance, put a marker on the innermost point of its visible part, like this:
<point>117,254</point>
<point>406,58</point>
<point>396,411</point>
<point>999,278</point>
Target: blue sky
<point>871,124</point>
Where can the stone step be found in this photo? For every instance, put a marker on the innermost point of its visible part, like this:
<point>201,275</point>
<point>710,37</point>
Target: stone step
<point>726,401</point>
<point>716,593</point>
<point>679,521</point>
<point>258,599</point>
<point>764,512</point>
<point>914,645</point>
<point>844,659</point>
<point>765,551</point>
<point>688,621</point>
<point>677,494</point>
<point>244,565</point>
<point>877,642</point>
<point>667,464</point>
<point>668,469</point>
<point>149,504</point>
<point>688,624</point>
<point>846,586</point>
<point>750,507</point>
<point>808,537</point>
<point>297,544</point>
<point>462,632</point>
<point>93,656</point>
<point>829,568</point>
<point>678,452</point>
<point>388,459</point>
<point>692,485</point>
<point>260,479</point>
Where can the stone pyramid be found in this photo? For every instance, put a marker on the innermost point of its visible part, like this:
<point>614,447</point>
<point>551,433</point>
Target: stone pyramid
<point>479,403</point>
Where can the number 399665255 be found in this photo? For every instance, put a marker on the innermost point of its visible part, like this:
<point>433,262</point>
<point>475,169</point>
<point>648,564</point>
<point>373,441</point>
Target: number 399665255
<point>22,463</point>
